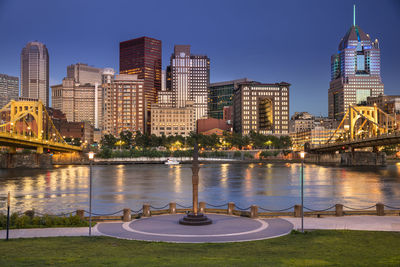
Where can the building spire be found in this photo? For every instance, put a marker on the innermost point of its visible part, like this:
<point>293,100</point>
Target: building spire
<point>354,15</point>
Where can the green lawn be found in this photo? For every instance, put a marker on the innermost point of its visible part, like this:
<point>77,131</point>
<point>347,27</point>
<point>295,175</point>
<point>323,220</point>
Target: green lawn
<point>318,248</point>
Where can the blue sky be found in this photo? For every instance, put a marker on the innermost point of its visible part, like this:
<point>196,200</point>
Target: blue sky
<point>268,41</point>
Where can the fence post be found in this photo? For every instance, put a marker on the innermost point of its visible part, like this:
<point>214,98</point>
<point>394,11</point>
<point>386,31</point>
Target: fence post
<point>339,210</point>
<point>80,214</point>
<point>231,207</point>
<point>202,207</point>
<point>297,210</point>
<point>380,209</point>
<point>253,211</point>
<point>127,215</point>
<point>172,208</point>
<point>146,210</point>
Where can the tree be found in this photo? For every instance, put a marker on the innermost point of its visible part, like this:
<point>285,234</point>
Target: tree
<point>108,141</point>
<point>126,138</point>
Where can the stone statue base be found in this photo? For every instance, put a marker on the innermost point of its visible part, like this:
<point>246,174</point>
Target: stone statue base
<point>192,219</point>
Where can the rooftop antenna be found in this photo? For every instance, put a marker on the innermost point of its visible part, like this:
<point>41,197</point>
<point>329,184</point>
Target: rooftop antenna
<point>354,15</point>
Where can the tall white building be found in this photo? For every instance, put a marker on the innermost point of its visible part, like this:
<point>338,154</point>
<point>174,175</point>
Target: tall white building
<point>188,77</point>
<point>35,72</point>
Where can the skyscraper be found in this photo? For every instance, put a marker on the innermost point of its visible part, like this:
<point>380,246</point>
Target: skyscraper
<point>142,56</point>
<point>8,89</point>
<point>188,77</point>
<point>355,72</point>
<point>35,72</point>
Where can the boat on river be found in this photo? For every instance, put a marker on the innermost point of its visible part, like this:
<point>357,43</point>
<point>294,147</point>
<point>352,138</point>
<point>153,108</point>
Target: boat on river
<point>172,162</point>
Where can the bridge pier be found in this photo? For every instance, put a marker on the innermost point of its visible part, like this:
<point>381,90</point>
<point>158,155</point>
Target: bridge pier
<point>25,161</point>
<point>354,158</point>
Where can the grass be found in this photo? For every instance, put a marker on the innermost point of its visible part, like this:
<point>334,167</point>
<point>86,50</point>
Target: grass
<point>317,248</point>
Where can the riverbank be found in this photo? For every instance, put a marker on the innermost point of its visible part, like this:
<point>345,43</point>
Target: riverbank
<point>317,248</point>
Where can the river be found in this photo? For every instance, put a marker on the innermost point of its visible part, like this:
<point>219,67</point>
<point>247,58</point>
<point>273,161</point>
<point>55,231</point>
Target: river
<point>268,185</point>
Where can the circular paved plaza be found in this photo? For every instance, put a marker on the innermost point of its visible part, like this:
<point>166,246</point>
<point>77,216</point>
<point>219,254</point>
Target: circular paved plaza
<point>223,229</point>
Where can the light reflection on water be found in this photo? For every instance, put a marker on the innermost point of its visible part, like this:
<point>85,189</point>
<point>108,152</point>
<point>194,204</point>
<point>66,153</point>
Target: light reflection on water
<point>272,186</point>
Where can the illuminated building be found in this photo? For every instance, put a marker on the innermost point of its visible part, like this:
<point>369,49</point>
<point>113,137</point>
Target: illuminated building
<point>188,77</point>
<point>168,120</point>
<point>8,89</point>
<point>262,108</point>
<point>317,136</point>
<point>124,104</point>
<point>35,72</point>
<point>355,72</point>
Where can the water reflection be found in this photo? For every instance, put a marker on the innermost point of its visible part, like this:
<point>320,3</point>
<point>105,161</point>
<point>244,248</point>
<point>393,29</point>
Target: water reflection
<point>273,186</point>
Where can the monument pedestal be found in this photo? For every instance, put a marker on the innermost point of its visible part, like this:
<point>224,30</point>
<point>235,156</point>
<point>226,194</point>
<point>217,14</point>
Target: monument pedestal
<point>193,219</point>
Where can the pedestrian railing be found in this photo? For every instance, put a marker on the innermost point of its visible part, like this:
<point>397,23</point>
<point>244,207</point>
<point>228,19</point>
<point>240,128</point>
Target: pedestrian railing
<point>231,208</point>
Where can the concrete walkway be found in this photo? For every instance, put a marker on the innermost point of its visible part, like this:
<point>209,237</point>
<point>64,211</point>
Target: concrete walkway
<point>225,228</point>
<point>364,222</point>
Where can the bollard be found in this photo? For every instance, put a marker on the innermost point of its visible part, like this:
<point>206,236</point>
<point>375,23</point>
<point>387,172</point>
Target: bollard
<point>172,208</point>
<point>231,207</point>
<point>127,215</point>
<point>80,214</point>
<point>380,209</point>
<point>297,210</point>
<point>146,210</point>
<point>339,210</point>
<point>202,207</point>
<point>253,211</point>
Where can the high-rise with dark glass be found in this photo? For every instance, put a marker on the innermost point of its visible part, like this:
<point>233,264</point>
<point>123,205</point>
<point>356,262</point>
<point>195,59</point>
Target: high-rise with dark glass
<point>220,95</point>
<point>142,56</point>
<point>35,72</point>
<point>355,72</point>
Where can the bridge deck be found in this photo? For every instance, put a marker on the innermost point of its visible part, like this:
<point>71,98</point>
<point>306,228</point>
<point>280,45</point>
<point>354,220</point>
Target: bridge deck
<point>381,140</point>
<point>16,140</point>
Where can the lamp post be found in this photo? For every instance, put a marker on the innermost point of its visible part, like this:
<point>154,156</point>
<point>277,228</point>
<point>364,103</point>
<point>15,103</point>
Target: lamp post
<point>91,156</point>
<point>302,155</point>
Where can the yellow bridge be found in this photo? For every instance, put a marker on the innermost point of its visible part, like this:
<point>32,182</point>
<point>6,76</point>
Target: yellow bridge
<point>26,124</point>
<point>362,126</point>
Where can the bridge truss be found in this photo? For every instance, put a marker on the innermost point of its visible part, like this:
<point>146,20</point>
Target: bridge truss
<point>26,124</point>
<point>362,126</point>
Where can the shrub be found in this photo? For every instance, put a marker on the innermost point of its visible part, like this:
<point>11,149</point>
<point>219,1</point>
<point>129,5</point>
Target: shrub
<point>237,154</point>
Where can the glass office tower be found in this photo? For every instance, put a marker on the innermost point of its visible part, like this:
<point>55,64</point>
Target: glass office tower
<point>355,72</point>
<point>35,72</point>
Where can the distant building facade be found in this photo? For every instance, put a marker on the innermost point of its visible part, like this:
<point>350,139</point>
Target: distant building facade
<point>211,125</point>
<point>355,72</point>
<point>388,103</point>
<point>124,104</point>
<point>220,95</point>
<point>35,72</point>
<point>9,88</point>
<point>187,79</point>
<point>167,120</point>
<point>262,108</point>
<point>80,103</point>
<point>316,136</point>
<point>84,74</point>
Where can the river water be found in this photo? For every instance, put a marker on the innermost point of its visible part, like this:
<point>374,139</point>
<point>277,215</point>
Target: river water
<point>271,186</point>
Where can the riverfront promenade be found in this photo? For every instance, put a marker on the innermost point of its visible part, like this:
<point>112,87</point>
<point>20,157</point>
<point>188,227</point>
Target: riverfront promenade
<point>225,229</point>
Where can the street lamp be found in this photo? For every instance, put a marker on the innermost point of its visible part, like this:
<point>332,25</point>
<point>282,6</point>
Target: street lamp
<point>91,156</point>
<point>302,155</point>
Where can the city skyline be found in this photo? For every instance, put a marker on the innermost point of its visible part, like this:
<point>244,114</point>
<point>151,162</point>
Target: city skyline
<point>268,55</point>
